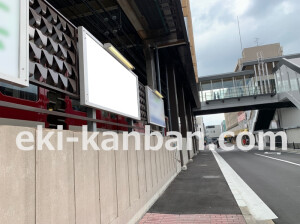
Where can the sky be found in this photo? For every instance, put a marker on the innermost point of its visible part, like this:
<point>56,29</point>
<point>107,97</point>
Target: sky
<point>216,33</point>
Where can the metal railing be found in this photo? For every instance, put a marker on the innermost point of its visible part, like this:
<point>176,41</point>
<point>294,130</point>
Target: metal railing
<point>287,80</point>
<point>234,92</point>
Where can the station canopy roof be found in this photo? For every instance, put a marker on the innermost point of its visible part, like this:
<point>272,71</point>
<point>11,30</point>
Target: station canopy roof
<point>130,24</point>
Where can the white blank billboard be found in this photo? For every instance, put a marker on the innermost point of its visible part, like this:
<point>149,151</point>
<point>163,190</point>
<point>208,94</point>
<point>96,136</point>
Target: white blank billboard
<point>155,108</point>
<point>104,82</point>
<point>14,41</point>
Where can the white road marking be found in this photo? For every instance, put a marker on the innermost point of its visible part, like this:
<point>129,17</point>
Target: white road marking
<point>211,147</point>
<point>243,194</point>
<point>285,161</point>
<point>211,177</point>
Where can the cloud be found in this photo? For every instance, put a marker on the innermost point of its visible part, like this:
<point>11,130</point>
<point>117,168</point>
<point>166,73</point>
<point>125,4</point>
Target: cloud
<point>217,38</point>
<point>216,31</point>
<point>215,119</point>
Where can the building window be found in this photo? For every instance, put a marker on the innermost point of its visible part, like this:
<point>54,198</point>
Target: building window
<point>27,93</point>
<point>77,107</point>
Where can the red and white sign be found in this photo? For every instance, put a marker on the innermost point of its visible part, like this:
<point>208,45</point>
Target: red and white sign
<point>241,116</point>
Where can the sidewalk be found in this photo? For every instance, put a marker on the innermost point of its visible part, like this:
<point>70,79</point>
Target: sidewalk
<point>198,195</point>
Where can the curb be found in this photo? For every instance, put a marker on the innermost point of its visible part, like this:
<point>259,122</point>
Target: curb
<point>242,197</point>
<point>250,219</point>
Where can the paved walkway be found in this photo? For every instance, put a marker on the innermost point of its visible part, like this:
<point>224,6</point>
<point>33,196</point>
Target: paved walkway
<point>198,195</point>
<point>156,218</point>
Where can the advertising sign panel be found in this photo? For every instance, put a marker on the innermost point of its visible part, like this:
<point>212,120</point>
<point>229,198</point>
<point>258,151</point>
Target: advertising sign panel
<point>105,83</point>
<point>155,108</point>
<point>14,39</point>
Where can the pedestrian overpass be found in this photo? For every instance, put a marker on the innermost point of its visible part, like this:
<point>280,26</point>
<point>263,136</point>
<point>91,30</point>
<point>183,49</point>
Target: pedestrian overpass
<point>266,84</point>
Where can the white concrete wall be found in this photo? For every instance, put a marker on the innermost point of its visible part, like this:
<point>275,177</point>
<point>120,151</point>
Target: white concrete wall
<point>55,191</point>
<point>214,132</point>
<point>87,184</point>
<point>108,184</point>
<point>293,135</point>
<point>290,120</point>
<point>192,154</point>
<point>184,151</point>
<point>17,177</point>
<point>76,186</point>
<point>289,117</point>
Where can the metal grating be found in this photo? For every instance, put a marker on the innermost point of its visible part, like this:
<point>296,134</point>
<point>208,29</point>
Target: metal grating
<point>143,107</point>
<point>53,49</point>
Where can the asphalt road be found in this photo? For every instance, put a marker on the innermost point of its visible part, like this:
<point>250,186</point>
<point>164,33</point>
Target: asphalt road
<point>277,183</point>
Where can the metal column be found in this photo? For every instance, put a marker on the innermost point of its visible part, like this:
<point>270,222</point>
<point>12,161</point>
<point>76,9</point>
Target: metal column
<point>264,77</point>
<point>182,113</point>
<point>168,100</point>
<point>173,102</point>
<point>173,98</point>
<point>92,126</point>
<point>261,85</point>
<point>150,67</point>
<point>268,77</point>
<point>190,120</point>
<point>158,70</point>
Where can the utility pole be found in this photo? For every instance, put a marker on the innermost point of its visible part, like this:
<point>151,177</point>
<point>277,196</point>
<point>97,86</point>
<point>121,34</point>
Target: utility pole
<point>256,40</point>
<point>238,21</point>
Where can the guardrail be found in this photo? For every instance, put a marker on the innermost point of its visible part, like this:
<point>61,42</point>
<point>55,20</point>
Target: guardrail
<point>234,92</point>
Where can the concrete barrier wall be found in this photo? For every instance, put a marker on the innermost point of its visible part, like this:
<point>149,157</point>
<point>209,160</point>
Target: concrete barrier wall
<point>55,179</point>
<point>87,183</point>
<point>192,154</point>
<point>17,177</point>
<point>108,184</point>
<point>77,186</point>
<point>184,151</point>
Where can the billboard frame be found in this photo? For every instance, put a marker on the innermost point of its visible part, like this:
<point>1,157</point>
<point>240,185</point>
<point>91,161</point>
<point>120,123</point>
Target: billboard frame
<point>23,68</point>
<point>84,89</point>
<point>147,88</point>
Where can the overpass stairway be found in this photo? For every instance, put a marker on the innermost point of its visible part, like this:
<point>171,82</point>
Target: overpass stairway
<point>287,77</point>
<point>264,119</point>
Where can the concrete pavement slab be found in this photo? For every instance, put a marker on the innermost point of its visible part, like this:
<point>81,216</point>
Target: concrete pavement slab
<point>193,193</point>
<point>198,195</point>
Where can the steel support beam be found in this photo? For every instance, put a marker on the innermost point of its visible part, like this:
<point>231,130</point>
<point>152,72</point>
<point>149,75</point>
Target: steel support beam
<point>132,12</point>
<point>191,122</point>
<point>84,11</point>
<point>182,113</point>
<point>168,99</point>
<point>158,69</point>
<point>173,102</point>
<point>150,67</point>
<point>92,126</point>
<point>173,98</point>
